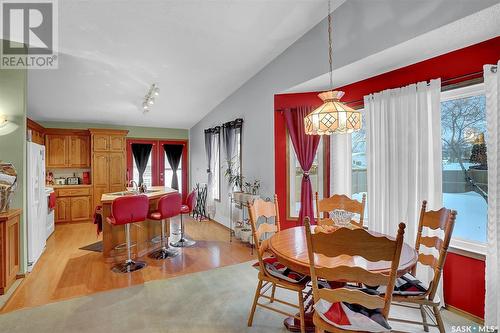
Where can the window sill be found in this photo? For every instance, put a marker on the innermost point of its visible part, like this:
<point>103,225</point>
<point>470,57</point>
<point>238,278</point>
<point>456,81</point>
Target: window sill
<point>468,249</point>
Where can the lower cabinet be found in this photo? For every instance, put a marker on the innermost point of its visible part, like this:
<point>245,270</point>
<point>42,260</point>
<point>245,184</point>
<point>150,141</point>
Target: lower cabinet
<point>80,208</point>
<point>73,205</point>
<point>62,210</point>
<point>9,251</point>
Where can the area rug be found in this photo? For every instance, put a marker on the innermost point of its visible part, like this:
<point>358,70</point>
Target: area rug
<point>213,301</point>
<point>95,247</point>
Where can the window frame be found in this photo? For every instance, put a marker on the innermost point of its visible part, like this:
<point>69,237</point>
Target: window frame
<point>457,245</point>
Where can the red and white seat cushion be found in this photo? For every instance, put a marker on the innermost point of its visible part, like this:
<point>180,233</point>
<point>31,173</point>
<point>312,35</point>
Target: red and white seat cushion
<point>406,285</point>
<point>352,317</point>
<point>280,271</point>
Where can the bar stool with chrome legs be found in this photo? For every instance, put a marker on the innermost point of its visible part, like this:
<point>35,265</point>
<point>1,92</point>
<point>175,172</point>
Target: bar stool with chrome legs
<point>186,209</point>
<point>168,206</point>
<point>124,211</point>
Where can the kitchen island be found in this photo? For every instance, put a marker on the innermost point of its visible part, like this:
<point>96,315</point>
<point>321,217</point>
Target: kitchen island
<point>141,233</point>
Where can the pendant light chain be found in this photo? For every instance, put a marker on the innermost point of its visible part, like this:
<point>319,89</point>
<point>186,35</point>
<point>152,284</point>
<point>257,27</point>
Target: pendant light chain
<point>330,52</point>
<point>333,116</point>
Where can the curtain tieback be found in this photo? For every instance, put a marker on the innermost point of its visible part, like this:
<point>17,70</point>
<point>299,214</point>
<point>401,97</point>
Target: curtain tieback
<point>305,174</point>
<point>208,170</point>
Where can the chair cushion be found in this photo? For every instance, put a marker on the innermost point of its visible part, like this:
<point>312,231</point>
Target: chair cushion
<point>406,285</point>
<point>352,317</point>
<point>185,209</point>
<point>280,271</point>
<point>155,216</point>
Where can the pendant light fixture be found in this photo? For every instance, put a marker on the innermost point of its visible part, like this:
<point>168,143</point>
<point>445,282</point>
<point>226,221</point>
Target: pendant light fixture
<point>333,116</point>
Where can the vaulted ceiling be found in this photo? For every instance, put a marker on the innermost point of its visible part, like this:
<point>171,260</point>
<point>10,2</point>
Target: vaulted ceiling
<point>198,51</point>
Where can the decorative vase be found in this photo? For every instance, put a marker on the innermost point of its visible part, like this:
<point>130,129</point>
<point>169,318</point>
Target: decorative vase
<point>237,230</point>
<point>242,197</point>
<point>246,235</point>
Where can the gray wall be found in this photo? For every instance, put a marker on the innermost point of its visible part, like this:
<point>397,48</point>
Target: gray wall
<point>361,28</point>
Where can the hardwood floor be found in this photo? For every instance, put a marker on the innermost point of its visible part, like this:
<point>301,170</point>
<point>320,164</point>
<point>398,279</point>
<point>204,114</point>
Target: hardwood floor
<point>64,271</point>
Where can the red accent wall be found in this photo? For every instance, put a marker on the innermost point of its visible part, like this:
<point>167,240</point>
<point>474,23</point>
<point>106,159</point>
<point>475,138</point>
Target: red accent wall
<point>463,277</point>
<point>464,284</point>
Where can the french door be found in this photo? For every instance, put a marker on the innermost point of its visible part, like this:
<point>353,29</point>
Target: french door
<point>158,170</point>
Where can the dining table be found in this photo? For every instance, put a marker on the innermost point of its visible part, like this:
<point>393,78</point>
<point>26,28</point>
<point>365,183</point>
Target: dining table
<point>289,246</point>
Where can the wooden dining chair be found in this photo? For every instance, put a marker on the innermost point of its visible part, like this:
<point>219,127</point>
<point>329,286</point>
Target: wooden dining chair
<point>340,201</point>
<point>273,274</point>
<point>409,290</point>
<point>350,308</point>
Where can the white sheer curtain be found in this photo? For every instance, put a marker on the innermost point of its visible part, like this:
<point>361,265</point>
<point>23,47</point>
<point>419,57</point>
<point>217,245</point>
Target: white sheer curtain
<point>341,164</point>
<point>403,134</point>
<point>492,301</point>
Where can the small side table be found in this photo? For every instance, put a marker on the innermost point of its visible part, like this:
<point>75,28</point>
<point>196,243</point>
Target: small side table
<point>9,248</point>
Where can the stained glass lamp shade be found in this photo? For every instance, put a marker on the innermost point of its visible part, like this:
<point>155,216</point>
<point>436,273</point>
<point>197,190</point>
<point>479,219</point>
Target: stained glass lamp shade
<point>332,116</point>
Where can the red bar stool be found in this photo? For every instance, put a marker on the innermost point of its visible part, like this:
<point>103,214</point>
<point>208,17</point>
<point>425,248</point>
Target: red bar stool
<point>124,211</point>
<point>187,208</point>
<point>168,206</point>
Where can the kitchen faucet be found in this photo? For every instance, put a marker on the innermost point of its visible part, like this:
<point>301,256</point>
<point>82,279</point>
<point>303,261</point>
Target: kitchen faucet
<point>135,186</point>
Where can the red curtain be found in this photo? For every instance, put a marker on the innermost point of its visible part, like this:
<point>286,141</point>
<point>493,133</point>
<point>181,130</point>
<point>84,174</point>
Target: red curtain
<point>305,147</point>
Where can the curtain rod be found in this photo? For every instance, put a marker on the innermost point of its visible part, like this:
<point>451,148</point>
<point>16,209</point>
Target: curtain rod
<point>444,83</point>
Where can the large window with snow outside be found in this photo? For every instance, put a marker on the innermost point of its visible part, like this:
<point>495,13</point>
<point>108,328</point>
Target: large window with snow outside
<point>465,168</point>
<point>359,176</point>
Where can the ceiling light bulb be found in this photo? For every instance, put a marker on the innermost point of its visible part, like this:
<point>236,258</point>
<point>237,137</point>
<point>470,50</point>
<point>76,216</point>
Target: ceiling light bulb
<point>151,101</point>
<point>157,91</point>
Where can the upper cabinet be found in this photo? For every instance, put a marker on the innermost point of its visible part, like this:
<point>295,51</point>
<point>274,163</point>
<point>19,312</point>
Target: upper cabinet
<point>108,141</point>
<point>56,151</point>
<point>68,150</point>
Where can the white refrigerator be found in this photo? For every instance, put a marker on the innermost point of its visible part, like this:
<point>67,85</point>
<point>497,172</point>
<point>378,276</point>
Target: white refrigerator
<point>37,203</point>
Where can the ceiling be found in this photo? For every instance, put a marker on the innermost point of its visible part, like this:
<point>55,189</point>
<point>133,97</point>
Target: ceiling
<point>469,30</point>
<point>199,52</point>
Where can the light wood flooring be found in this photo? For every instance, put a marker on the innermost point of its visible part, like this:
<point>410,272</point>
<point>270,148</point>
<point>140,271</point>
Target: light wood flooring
<point>64,271</point>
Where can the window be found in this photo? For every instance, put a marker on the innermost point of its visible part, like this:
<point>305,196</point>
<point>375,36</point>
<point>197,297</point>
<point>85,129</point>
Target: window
<point>465,174</point>
<point>148,174</point>
<point>294,176</point>
<point>169,173</point>
<point>359,175</point>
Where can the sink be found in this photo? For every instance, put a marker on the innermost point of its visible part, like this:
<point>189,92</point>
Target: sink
<point>123,193</point>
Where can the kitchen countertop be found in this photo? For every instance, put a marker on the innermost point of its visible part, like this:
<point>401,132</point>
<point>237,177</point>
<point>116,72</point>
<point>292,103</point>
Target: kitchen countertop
<point>68,186</point>
<point>158,191</point>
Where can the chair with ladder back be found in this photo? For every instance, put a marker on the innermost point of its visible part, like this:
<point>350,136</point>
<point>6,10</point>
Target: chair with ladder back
<point>350,308</point>
<point>273,274</point>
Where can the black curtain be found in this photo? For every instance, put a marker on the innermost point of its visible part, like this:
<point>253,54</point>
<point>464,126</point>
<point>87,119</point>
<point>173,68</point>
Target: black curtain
<point>229,131</point>
<point>208,148</point>
<point>174,153</point>
<point>141,152</point>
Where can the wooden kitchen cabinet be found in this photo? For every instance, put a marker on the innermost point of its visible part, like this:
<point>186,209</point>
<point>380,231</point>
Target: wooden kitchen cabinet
<point>117,172</point>
<point>80,208</point>
<point>62,210</point>
<point>9,248</point>
<point>73,204</point>
<point>100,142</point>
<point>79,151</point>
<point>109,165</point>
<point>67,149</point>
<point>56,150</point>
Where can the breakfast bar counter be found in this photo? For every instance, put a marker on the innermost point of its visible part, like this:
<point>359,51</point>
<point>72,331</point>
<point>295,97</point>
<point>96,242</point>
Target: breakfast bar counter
<point>141,233</point>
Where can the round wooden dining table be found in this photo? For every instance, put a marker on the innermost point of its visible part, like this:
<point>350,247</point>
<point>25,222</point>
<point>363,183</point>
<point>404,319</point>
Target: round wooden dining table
<point>290,248</point>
